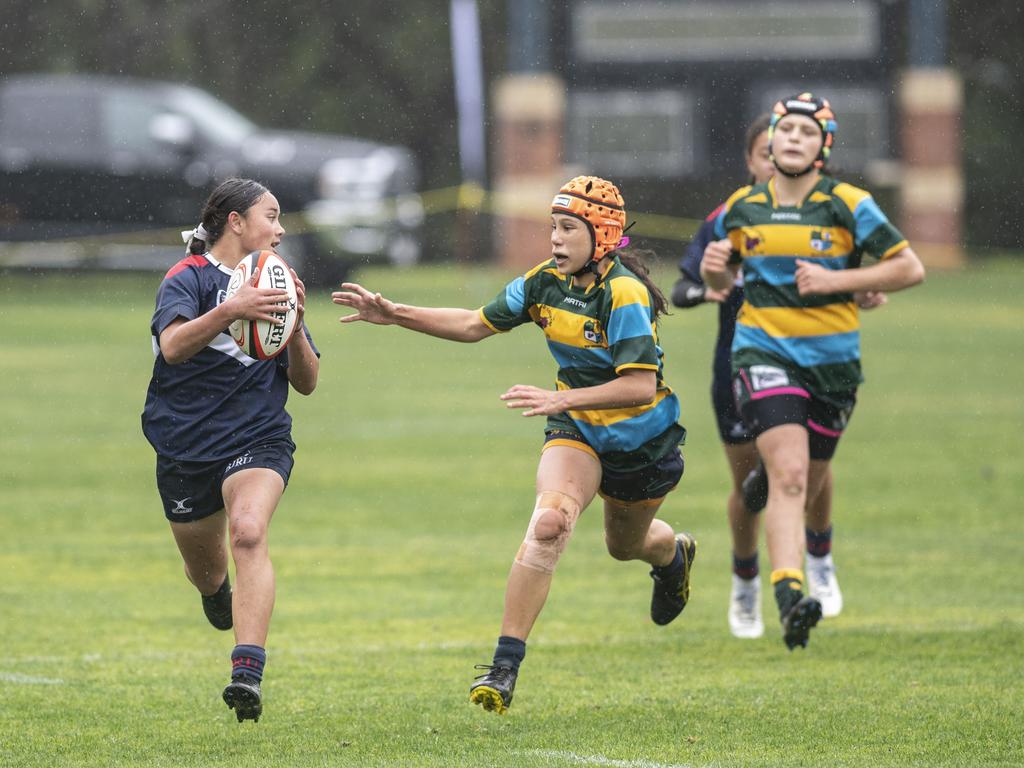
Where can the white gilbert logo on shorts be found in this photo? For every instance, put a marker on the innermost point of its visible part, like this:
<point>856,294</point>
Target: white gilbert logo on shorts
<point>767,377</point>
<point>180,508</point>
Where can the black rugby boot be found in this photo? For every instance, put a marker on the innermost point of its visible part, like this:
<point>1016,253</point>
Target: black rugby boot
<point>494,688</point>
<point>244,696</point>
<point>672,590</point>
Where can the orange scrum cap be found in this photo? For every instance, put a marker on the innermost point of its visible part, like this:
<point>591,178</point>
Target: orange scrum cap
<point>598,203</point>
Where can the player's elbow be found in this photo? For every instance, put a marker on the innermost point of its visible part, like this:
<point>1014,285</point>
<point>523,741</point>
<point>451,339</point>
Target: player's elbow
<point>913,269</point>
<point>687,293</point>
<point>916,276</point>
<point>303,387</point>
<point>475,331</point>
<point>304,382</point>
<point>645,389</point>
<point>172,355</point>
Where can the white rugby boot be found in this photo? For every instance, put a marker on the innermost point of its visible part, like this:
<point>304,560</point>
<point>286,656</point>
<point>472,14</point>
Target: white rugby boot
<point>745,608</point>
<point>823,585</point>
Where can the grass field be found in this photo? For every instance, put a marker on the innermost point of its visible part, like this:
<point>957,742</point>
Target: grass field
<point>411,491</point>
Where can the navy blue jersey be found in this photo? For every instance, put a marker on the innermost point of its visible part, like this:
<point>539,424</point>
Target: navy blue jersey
<point>689,265</point>
<point>221,401</point>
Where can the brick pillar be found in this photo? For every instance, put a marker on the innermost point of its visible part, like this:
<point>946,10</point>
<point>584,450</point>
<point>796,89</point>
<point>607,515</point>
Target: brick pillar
<point>932,192</point>
<point>529,112</point>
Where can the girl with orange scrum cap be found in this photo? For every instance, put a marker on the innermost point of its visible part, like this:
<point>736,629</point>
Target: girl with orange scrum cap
<point>612,421</point>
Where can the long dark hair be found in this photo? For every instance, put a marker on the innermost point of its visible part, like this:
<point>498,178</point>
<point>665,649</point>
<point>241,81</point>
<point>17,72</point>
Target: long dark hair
<point>237,195</point>
<point>760,125</point>
<point>636,261</point>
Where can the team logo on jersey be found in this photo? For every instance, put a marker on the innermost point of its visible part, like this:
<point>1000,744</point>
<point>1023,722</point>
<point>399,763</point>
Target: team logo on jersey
<point>180,508</point>
<point>592,332</point>
<point>821,241</point>
<point>221,297</point>
<point>542,317</point>
<point>753,241</point>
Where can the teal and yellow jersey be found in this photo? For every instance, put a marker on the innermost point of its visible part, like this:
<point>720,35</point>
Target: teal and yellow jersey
<point>595,334</point>
<point>836,224</point>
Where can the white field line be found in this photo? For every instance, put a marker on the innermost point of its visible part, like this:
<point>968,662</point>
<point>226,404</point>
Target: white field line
<point>14,677</point>
<point>572,757</point>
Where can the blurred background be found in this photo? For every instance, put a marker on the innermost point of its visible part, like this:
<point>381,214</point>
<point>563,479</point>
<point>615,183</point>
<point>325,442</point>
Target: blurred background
<point>443,127</point>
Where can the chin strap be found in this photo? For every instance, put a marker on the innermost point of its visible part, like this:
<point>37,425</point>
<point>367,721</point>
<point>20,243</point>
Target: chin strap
<point>794,174</point>
<point>591,266</point>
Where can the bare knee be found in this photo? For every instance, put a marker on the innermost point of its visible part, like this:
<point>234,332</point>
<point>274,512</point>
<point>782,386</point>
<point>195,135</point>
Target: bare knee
<point>248,533</point>
<point>791,478</point>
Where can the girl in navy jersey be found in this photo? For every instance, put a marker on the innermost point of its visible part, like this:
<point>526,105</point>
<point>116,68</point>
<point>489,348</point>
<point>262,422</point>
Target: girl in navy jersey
<point>612,421</point>
<point>216,418</point>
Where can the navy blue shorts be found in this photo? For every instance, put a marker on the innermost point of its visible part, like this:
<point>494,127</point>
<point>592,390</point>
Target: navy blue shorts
<point>636,482</point>
<point>191,490</point>
<point>731,428</point>
<point>652,482</point>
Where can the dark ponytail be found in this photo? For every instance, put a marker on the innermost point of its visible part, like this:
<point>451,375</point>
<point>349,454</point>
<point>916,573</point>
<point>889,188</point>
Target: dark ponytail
<point>237,195</point>
<point>636,261</point>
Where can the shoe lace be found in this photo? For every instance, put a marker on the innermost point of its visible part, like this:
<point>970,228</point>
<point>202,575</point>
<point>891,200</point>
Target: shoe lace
<point>496,672</point>
<point>820,577</point>
<point>746,600</point>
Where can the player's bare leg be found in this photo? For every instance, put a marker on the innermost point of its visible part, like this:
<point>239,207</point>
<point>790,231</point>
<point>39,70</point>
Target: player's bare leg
<point>250,496</point>
<point>632,532</point>
<point>784,450</point>
<point>205,555</point>
<point>744,525</point>
<point>567,480</point>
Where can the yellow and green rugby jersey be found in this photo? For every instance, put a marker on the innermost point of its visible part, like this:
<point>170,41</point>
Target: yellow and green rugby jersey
<point>836,224</point>
<point>594,334</point>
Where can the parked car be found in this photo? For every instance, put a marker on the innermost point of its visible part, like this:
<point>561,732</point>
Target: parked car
<point>90,165</point>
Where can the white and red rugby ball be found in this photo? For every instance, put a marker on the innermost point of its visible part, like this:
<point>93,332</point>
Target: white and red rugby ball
<point>259,338</point>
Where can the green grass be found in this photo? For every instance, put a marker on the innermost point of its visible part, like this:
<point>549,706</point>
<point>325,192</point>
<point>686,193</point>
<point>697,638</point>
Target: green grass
<point>411,491</point>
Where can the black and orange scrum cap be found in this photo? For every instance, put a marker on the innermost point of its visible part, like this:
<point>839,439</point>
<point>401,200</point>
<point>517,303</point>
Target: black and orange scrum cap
<point>599,204</point>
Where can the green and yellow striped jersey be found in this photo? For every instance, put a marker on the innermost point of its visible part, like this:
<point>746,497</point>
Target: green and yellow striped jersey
<point>835,225</point>
<point>594,334</point>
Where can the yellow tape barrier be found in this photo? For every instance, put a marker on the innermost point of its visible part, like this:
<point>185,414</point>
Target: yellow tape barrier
<point>470,198</point>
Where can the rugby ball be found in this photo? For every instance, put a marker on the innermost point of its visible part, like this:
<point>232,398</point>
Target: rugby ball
<point>261,339</point>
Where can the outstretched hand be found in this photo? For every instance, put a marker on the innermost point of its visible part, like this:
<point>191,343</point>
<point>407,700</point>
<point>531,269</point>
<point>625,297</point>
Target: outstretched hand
<point>535,401</point>
<point>371,307</point>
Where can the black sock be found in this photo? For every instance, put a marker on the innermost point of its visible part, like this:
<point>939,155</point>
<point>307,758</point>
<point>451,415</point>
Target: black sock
<point>509,652</point>
<point>673,567</point>
<point>745,567</point>
<point>819,544</point>
<point>789,588</point>
<point>248,661</point>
